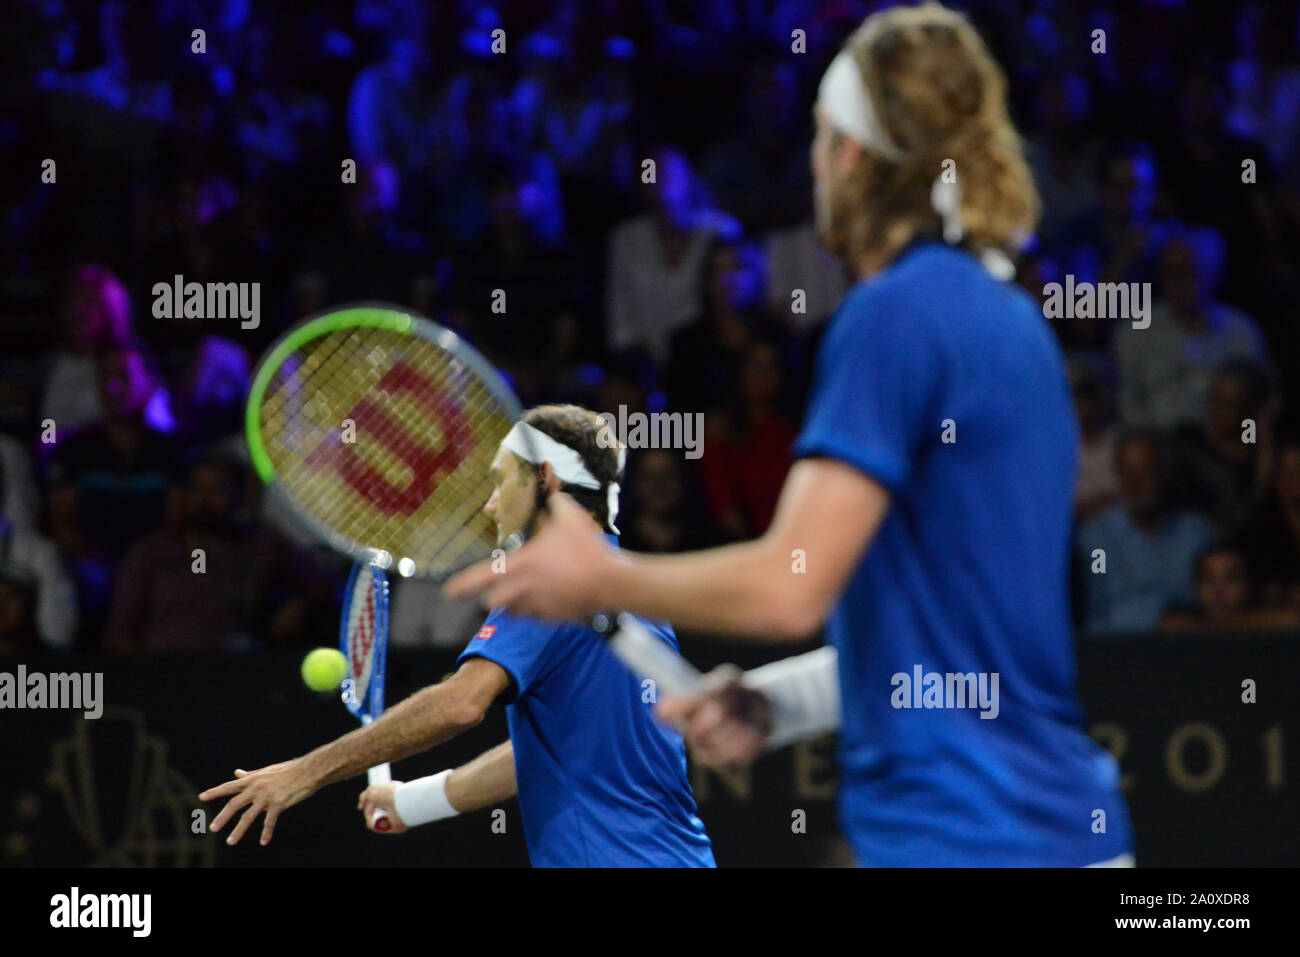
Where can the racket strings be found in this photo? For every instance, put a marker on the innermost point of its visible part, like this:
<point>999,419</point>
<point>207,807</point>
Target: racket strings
<point>414,481</point>
<point>308,376</point>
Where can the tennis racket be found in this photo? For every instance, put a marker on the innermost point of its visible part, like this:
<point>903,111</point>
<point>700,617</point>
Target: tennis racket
<point>375,428</point>
<point>363,639</point>
<point>647,656</point>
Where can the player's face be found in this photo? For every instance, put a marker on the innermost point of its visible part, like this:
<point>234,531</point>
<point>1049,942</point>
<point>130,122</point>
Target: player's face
<point>820,161</point>
<point>514,495</point>
<point>832,156</point>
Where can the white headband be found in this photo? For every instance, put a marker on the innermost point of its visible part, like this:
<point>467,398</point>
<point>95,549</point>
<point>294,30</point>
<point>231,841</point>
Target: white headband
<point>844,98</point>
<point>535,446</point>
<point>846,102</point>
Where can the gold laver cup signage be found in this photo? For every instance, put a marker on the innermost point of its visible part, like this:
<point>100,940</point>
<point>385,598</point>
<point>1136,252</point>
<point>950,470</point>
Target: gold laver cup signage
<point>107,798</point>
<point>1203,730</point>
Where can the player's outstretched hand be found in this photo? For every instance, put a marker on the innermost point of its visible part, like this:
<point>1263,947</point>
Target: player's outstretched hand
<point>555,575</point>
<point>379,797</point>
<point>726,723</point>
<point>270,789</point>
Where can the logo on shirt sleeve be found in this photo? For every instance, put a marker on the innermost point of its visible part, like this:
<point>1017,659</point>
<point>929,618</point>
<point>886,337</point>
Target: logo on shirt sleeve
<point>486,632</point>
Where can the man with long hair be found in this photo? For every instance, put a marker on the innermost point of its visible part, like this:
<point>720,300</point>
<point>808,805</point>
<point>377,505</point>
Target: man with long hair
<point>927,520</point>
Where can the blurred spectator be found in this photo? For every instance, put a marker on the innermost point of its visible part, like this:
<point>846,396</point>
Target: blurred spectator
<point>94,314</point>
<point>366,253</point>
<point>1225,598</point>
<point>38,603</point>
<point>526,257</point>
<point>211,581</point>
<point>278,116</point>
<point>627,380</point>
<point>1062,155</point>
<point>796,260</point>
<point>658,513</point>
<point>581,110</point>
<point>194,229</point>
<point>19,496</point>
<point>1270,536</point>
<point>108,482</point>
<point>747,447</point>
<point>208,377</point>
<point>1088,334</point>
<point>1206,181</point>
<point>116,108</point>
<point>656,261</point>
<point>479,172</point>
<point>1098,485</point>
<point>1119,240</point>
<point>705,354</point>
<point>1220,473</point>
<point>477,135</point>
<point>390,106</point>
<point>753,171</point>
<point>17,619</point>
<point>1264,83</point>
<point>1166,370</point>
<point>1148,549</point>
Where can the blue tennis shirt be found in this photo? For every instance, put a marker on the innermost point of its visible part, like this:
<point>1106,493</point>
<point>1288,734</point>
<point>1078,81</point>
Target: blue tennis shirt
<point>601,782</point>
<point>947,387</point>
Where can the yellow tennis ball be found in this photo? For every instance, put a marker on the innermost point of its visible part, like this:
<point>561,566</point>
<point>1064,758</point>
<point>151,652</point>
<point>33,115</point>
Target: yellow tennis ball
<point>323,669</point>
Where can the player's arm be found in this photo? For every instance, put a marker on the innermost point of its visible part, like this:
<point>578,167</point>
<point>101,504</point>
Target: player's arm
<point>422,721</point>
<point>484,782</point>
<point>487,780</point>
<point>427,718</point>
<point>738,716</point>
<point>780,586</point>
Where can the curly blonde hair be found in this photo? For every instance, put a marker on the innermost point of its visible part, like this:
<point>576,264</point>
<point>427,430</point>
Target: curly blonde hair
<point>940,96</point>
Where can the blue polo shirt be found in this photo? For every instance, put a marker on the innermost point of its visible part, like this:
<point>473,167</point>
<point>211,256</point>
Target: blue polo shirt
<point>947,387</point>
<point>601,782</point>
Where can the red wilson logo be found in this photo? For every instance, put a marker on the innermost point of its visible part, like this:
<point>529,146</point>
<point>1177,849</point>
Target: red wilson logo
<point>375,421</point>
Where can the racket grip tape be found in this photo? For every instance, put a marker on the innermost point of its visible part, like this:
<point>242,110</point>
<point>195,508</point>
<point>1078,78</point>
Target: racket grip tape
<point>381,774</point>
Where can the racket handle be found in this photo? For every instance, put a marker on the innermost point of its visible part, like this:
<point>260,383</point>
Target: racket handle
<point>381,774</point>
<point>650,657</point>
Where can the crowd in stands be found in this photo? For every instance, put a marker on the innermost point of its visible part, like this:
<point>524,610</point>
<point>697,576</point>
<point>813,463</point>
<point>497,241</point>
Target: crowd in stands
<point>132,157</point>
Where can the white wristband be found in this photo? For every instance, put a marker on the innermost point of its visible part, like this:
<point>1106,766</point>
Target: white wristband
<point>424,800</point>
<point>804,692</point>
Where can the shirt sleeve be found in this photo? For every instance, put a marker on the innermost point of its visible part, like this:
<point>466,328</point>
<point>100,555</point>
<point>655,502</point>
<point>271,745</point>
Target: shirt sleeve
<point>877,389</point>
<point>523,647</point>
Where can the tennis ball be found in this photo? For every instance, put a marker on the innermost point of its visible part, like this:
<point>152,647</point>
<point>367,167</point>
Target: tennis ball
<point>323,669</point>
